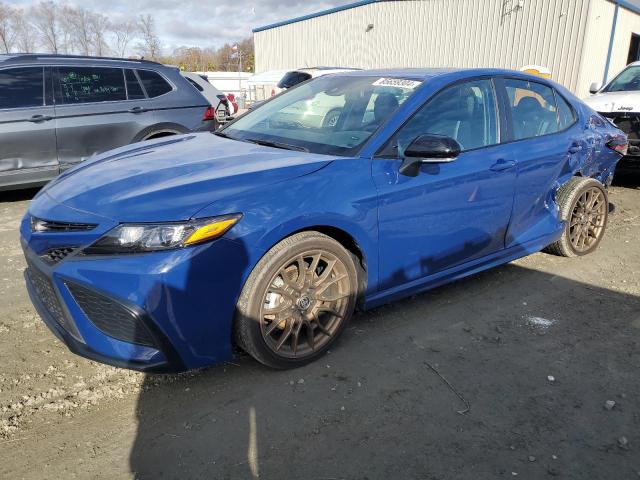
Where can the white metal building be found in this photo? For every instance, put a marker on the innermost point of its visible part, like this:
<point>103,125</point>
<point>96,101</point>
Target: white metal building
<point>581,41</point>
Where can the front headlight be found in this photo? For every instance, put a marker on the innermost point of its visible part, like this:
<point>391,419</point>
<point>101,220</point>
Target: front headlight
<point>147,237</point>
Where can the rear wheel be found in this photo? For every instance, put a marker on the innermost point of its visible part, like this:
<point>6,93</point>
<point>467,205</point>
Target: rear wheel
<point>296,301</point>
<point>584,206</point>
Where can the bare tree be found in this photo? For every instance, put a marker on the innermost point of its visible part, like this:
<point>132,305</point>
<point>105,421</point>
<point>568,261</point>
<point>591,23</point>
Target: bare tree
<point>46,19</point>
<point>7,27</point>
<point>150,45</point>
<point>26,40</point>
<point>78,23</point>
<point>100,25</point>
<point>124,33</point>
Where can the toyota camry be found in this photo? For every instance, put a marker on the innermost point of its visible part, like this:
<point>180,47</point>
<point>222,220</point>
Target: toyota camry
<point>268,234</point>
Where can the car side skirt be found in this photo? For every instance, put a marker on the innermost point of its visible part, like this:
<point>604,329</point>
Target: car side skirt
<point>460,271</point>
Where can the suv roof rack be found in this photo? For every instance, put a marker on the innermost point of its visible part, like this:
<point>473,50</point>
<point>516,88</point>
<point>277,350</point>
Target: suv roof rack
<point>24,57</point>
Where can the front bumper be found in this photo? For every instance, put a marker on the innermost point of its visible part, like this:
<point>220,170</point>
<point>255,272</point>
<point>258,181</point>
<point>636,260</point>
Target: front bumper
<point>180,303</point>
<point>77,346</point>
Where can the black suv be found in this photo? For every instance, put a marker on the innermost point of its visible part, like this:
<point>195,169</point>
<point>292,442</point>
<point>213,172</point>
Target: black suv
<point>56,111</point>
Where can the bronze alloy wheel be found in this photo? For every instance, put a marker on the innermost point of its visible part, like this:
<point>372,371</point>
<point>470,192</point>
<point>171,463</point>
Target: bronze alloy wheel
<point>305,304</point>
<point>297,300</point>
<point>588,219</point>
<point>583,205</point>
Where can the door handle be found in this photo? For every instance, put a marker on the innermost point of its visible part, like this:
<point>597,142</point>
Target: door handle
<point>40,118</point>
<point>501,165</point>
<point>137,110</point>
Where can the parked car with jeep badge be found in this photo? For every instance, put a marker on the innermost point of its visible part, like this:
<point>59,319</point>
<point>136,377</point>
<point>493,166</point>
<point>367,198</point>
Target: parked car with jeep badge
<point>619,102</point>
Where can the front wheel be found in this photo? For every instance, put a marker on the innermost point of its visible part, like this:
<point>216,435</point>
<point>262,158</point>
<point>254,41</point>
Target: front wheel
<point>296,301</point>
<point>584,206</point>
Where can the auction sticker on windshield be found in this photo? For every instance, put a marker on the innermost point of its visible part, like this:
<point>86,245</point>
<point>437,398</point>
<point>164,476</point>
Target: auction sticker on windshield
<point>396,82</point>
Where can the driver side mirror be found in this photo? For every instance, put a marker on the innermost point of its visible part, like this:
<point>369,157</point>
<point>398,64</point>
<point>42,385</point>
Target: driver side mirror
<point>595,87</point>
<point>428,148</point>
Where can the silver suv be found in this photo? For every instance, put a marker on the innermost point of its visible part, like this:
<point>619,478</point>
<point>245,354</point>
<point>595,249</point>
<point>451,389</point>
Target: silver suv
<point>56,111</point>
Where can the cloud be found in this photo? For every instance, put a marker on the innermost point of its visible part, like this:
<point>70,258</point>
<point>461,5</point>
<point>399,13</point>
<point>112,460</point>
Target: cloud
<point>202,23</point>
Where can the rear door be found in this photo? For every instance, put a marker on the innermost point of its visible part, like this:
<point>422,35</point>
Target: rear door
<point>97,109</point>
<point>545,137</point>
<point>27,127</point>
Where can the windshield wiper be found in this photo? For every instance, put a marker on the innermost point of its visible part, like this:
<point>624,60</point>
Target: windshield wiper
<point>224,135</point>
<point>284,146</point>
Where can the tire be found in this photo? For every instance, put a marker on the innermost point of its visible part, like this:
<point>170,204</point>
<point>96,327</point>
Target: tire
<point>306,317</point>
<point>581,221</point>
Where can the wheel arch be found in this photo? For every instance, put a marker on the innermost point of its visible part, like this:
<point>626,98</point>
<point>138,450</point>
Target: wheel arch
<point>350,241</point>
<point>160,130</point>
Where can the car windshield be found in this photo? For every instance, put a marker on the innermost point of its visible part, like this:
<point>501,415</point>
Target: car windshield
<point>329,115</point>
<point>629,79</point>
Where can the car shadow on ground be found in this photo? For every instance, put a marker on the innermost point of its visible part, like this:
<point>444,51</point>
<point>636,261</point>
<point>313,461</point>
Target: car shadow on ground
<point>384,402</point>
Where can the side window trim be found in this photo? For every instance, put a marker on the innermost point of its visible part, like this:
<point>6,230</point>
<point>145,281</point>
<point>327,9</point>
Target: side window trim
<point>497,107</point>
<point>506,120</point>
<point>557,95</point>
<point>144,89</point>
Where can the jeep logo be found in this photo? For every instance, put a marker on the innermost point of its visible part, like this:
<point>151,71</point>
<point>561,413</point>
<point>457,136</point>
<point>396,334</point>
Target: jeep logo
<point>627,109</point>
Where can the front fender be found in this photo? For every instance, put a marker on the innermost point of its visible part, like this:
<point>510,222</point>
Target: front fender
<point>313,201</point>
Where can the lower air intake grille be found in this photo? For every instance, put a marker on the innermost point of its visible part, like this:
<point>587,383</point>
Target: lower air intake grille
<point>47,295</point>
<point>55,255</point>
<point>111,317</point>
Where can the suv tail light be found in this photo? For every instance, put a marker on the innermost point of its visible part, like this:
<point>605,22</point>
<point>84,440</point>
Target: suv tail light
<point>209,114</point>
<point>619,144</point>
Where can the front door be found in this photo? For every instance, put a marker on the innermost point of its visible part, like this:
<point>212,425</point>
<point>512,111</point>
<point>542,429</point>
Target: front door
<point>27,128</point>
<point>450,213</point>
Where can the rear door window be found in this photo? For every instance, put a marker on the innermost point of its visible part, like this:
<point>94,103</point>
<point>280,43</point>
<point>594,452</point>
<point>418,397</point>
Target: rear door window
<point>134,90</point>
<point>90,85</point>
<point>533,108</point>
<point>154,83</point>
<point>22,87</point>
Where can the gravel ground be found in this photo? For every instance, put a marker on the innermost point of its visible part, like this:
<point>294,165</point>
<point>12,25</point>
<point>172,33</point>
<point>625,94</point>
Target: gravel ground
<point>543,352</point>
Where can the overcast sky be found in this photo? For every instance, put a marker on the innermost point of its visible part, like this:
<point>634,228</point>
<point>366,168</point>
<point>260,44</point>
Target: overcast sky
<point>202,23</point>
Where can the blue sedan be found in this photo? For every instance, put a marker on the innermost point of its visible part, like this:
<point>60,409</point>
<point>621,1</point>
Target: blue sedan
<point>163,255</point>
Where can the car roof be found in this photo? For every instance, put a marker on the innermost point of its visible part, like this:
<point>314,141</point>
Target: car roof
<point>427,73</point>
<point>47,58</point>
<point>451,74</point>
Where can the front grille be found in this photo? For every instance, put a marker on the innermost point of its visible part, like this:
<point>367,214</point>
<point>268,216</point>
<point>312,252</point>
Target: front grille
<point>111,317</point>
<point>46,292</point>
<point>56,255</point>
<point>40,225</point>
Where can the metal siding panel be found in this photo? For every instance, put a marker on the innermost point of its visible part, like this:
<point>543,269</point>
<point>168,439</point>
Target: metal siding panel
<point>433,33</point>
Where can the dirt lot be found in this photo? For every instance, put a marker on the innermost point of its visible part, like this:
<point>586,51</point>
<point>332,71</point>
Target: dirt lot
<point>535,347</point>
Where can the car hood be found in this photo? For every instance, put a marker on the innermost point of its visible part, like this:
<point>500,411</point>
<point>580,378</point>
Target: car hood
<point>173,178</point>
<point>614,102</point>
